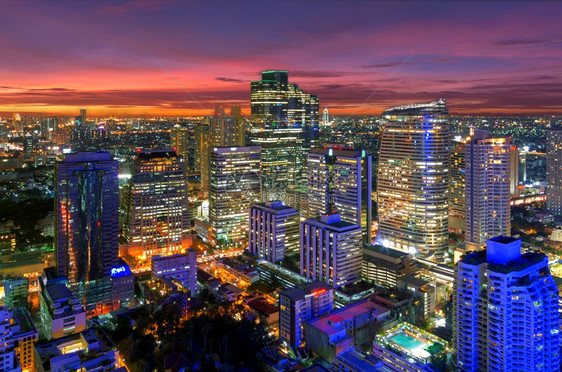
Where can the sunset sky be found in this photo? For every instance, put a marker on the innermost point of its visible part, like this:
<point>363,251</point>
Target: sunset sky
<point>183,57</point>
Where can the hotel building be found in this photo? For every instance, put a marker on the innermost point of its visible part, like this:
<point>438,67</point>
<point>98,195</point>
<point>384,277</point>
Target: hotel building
<point>413,179</point>
<point>488,212</point>
<point>506,310</point>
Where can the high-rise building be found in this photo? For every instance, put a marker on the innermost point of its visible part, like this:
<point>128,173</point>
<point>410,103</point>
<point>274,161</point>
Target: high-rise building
<point>325,116</point>
<point>506,310</point>
<point>340,180</point>
<point>297,306</point>
<point>86,216</point>
<point>413,179</point>
<point>279,104</point>
<point>554,170</point>
<point>488,212</point>
<point>202,154</point>
<point>331,250</point>
<point>384,266</point>
<point>227,130</point>
<point>181,267</point>
<point>179,141</point>
<point>282,161</point>
<point>274,231</point>
<point>24,335</point>
<point>514,171</point>
<point>158,219</point>
<point>457,203</point>
<point>235,185</point>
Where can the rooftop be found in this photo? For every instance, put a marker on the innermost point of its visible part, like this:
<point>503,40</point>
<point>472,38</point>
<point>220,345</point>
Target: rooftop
<point>416,107</point>
<point>394,253</point>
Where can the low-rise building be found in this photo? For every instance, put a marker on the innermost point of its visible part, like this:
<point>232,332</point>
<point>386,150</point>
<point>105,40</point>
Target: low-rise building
<point>87,351</point>
<point>385,266</point>
<point>353,361</point>
<point>354,325</point>
<point>16,293</point>
<point>181,267</point>
<point>422,289</point>
<point>24,335</point>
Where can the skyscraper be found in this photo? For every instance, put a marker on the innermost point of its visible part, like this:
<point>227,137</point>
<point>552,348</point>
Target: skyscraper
<point>299,305</point>
<point>331,250</point>
<point>413,179</point>
<point>325,116</point>
<point>488,212</point>
<point>514,171</point>
<point>457,181</point>
<point>157,208</point>
<point>235,185</point>
<point>279,104</point>
<point>86,216</point>
<point>340,180</point>
<point>202,154</point>
<point>506,310</point>
<point>179,141</point>
<point>227,130</point>
<point>274,231</point>
<point>554,170</point>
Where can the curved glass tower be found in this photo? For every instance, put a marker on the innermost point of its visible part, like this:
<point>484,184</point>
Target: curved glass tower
<point>413,179</point>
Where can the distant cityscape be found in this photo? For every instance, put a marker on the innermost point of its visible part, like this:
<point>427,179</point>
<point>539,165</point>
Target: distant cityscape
<point>281,239</point>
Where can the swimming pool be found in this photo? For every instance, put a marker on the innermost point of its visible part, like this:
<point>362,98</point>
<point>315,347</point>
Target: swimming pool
<point>407,341</point>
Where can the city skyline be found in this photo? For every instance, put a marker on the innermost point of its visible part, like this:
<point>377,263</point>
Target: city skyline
<point>485,58</point>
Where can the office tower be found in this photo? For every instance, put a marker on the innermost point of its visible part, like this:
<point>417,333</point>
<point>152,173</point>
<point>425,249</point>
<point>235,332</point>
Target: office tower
<point>297,306</point>
<point>488,168</point>
<point>86,216</point>
<point>413,179</point>
<point>514,171</point>
<point>8,359</point>
<point>331,250</point>
<point>554,170</point>
<point>506,310</point>
<point>227,130</point>
<point>158,220</point>
<point>282,161</point>
<point>325,116</point>
<point>202,154</point>
<point>16,292</point>
<point>457,203</point>
<point>279,104</point>
<point>179,141</point>
<point>340,180</point>
<point>83,115</point>
<point>180,267</point>
<point>274,231</point>
<point>235,185</point>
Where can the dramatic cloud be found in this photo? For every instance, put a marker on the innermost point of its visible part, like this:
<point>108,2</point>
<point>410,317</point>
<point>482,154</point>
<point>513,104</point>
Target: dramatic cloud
<point>179,57</point>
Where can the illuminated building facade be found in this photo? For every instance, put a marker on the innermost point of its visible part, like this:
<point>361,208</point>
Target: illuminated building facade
<point>506,310</point>
<point>202,154</point>
<point>340,180</point>
<point>235,185</point>
<point>274,231</point>
<point>331,250</point>
<point>181,267</point>
<point>179,141</point>
<point>413,179</point>
<point>488,169</point>
<point>8,359</point>
<point>457,203</point>
<point>514,171</point>
<point>86,216</point>
<point>24,335</point>
<point>280,104</point>
<point>282,159</point>
<point>297,306</point>
<point>158,219</point>
<point>227,130</point>
<point>554,170</point>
